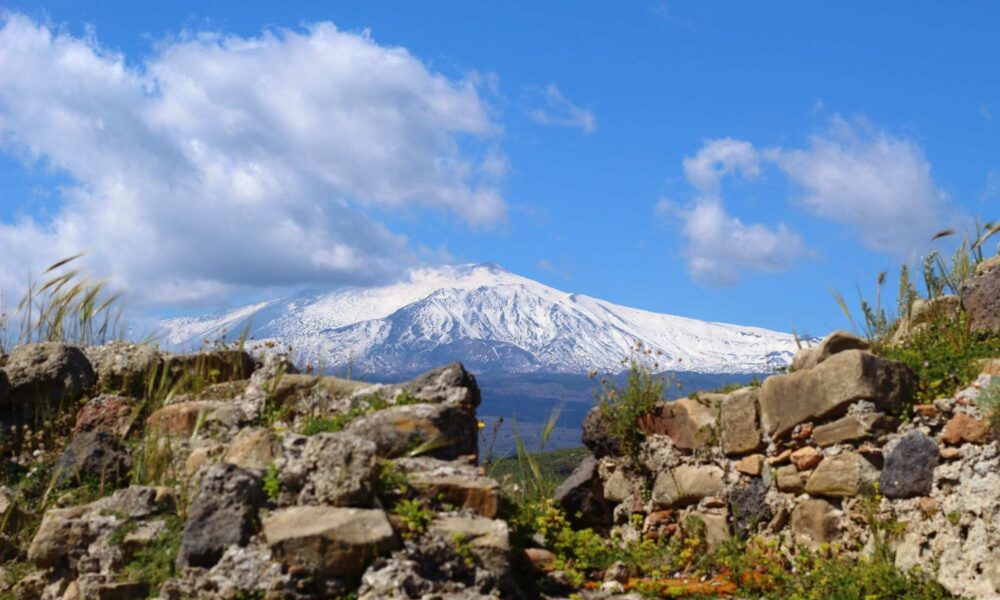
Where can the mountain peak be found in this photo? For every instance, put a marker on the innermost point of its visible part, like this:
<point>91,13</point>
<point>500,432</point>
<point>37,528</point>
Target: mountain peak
<point>490,319</point>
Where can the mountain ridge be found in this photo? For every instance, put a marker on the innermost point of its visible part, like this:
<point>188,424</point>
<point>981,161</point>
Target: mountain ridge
<point>489,318</point>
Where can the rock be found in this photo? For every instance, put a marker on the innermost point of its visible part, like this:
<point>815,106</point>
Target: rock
<point>981,297</point>
<point>46,376</point>
<point>951,453</point>
<point>830,387</point>
<point>93,457</point>
<point>213,366</point>
<point>253,449</point>
<point>92,588</point>
<point>300,394</point>
<point>329,540</point>
<point>780,458</point>
<point>789,479</point>
<point>748,507</point>
<point>328,468</point>
<point>909,468</point>
<point>618,487</point>
<point>738,423</point>
<point>447,431</point>
<point>841,476</point>
<point>455,483</point>
<point>689,422</point>
<point>110,414</point>
<point>687,484</point>
<point>751,465</point>
<point>806,458</point>
<point>583,493</point>
<point>597,437</point>
<point>487,539</point>
<point>963,428</point>
<point>222,513</point>
<point>851,428</point>
<point>124,367</point>
<point>181,419</point>
<point>838,341</point>
<point>713,527</point>
<point>540,558</point>
<point>815,522</point>
<point>922,314</point>
<point>450,384</point>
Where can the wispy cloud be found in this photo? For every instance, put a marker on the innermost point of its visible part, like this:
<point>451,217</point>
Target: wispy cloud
<point>555,109</point>
<point>877,185</point>
<point>228,162</point>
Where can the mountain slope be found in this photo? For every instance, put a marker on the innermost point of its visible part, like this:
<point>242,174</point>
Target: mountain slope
<point>492,320</point>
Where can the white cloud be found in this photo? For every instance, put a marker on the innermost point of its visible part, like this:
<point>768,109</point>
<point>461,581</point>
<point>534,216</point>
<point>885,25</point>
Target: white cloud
<point>225,163</point>
<point>877,184</point>
<point>557,110</point>
<point>720,248</point>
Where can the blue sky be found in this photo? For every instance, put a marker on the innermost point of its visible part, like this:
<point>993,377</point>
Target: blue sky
<point>724,161</point>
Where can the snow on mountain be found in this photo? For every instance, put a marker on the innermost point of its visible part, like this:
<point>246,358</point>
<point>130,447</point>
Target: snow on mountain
<point>490,319</point>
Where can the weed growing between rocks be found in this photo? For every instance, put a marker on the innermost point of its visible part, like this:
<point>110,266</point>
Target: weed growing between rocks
<point>621,408</point>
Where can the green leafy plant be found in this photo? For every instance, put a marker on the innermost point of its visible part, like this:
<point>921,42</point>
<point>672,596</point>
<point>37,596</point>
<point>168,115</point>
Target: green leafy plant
<point>154,563</point>
<point>621,408</point>
<point>414,514</point>
<point>272,482</point>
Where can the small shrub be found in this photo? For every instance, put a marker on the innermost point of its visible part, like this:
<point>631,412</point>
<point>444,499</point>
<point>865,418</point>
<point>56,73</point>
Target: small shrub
<point>989,404</point>
<point>621,408</point>
<point>414,514</point>
<point>272,483</point>
<point>154,563</point>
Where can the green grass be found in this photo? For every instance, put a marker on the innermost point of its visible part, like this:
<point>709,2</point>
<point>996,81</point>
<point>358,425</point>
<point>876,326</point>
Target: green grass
<point>154,563</point>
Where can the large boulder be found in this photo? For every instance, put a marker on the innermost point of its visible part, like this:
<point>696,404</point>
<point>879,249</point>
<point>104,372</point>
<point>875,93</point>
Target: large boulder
<point>444,431</point>
<point>838,341</point>
<point>909,468</point>
<point>981,297</point>
<point>815,522</point>
<point>213,366</point>
<point>487,539</point>
<point>44,377</point>
<point>689,422</point>
<point>338,469</point>
<point>329,540</point>
<point>581,496</point>
<point>739,427</point>
<point>93,457</point>
<point>124,367</point>
<point>687,484</point>
<point>253,449</point>
<point>450,384</point>
<point>826,390</point>
<point>222,513</point>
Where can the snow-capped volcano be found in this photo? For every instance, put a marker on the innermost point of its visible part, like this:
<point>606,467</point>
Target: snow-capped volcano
<point>490,319</point>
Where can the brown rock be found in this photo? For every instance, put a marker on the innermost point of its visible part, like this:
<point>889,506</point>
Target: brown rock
<point>963,428</point>
<point>815,522</point>
<point>981,297</point>
<point>802,432</point>
<point>781,457</point>
<point>950,453</point>
<point>481,494</point>
<point>751,465</point>
<point>450,430</point>
<point>253,449</point>
<point>111,414</point>
<point>838,341</point>
<point>827,389</point>
<point>841,476</point>
<point>927,411</point>
<point>806,458</point>
<point>738,426</point>
<point>541,558</point>
<point>928,505</point>
<point>990,366</point>
<point>180,419</point>
<point>688,422</point>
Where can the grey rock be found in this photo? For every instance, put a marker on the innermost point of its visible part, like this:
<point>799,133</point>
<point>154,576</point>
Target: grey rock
<point>329,540</point>
<point>909,468</point>
<point>442,430</point>
<point>827,390</point>
<point>748,507</point>
<point>582,493</point>
<point>93,457</point>
<point>450,384</point>
<point>123,367</point>
<point>487,539</point>
<point>851,428</point>
<point>922,314</point>
<point>687,484</point>
<point>789,479</point>
<point>213,366</point>
<point>451,482</point>
<point>45,377</point>
<point>328,468</point>
<point>222,513</point>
